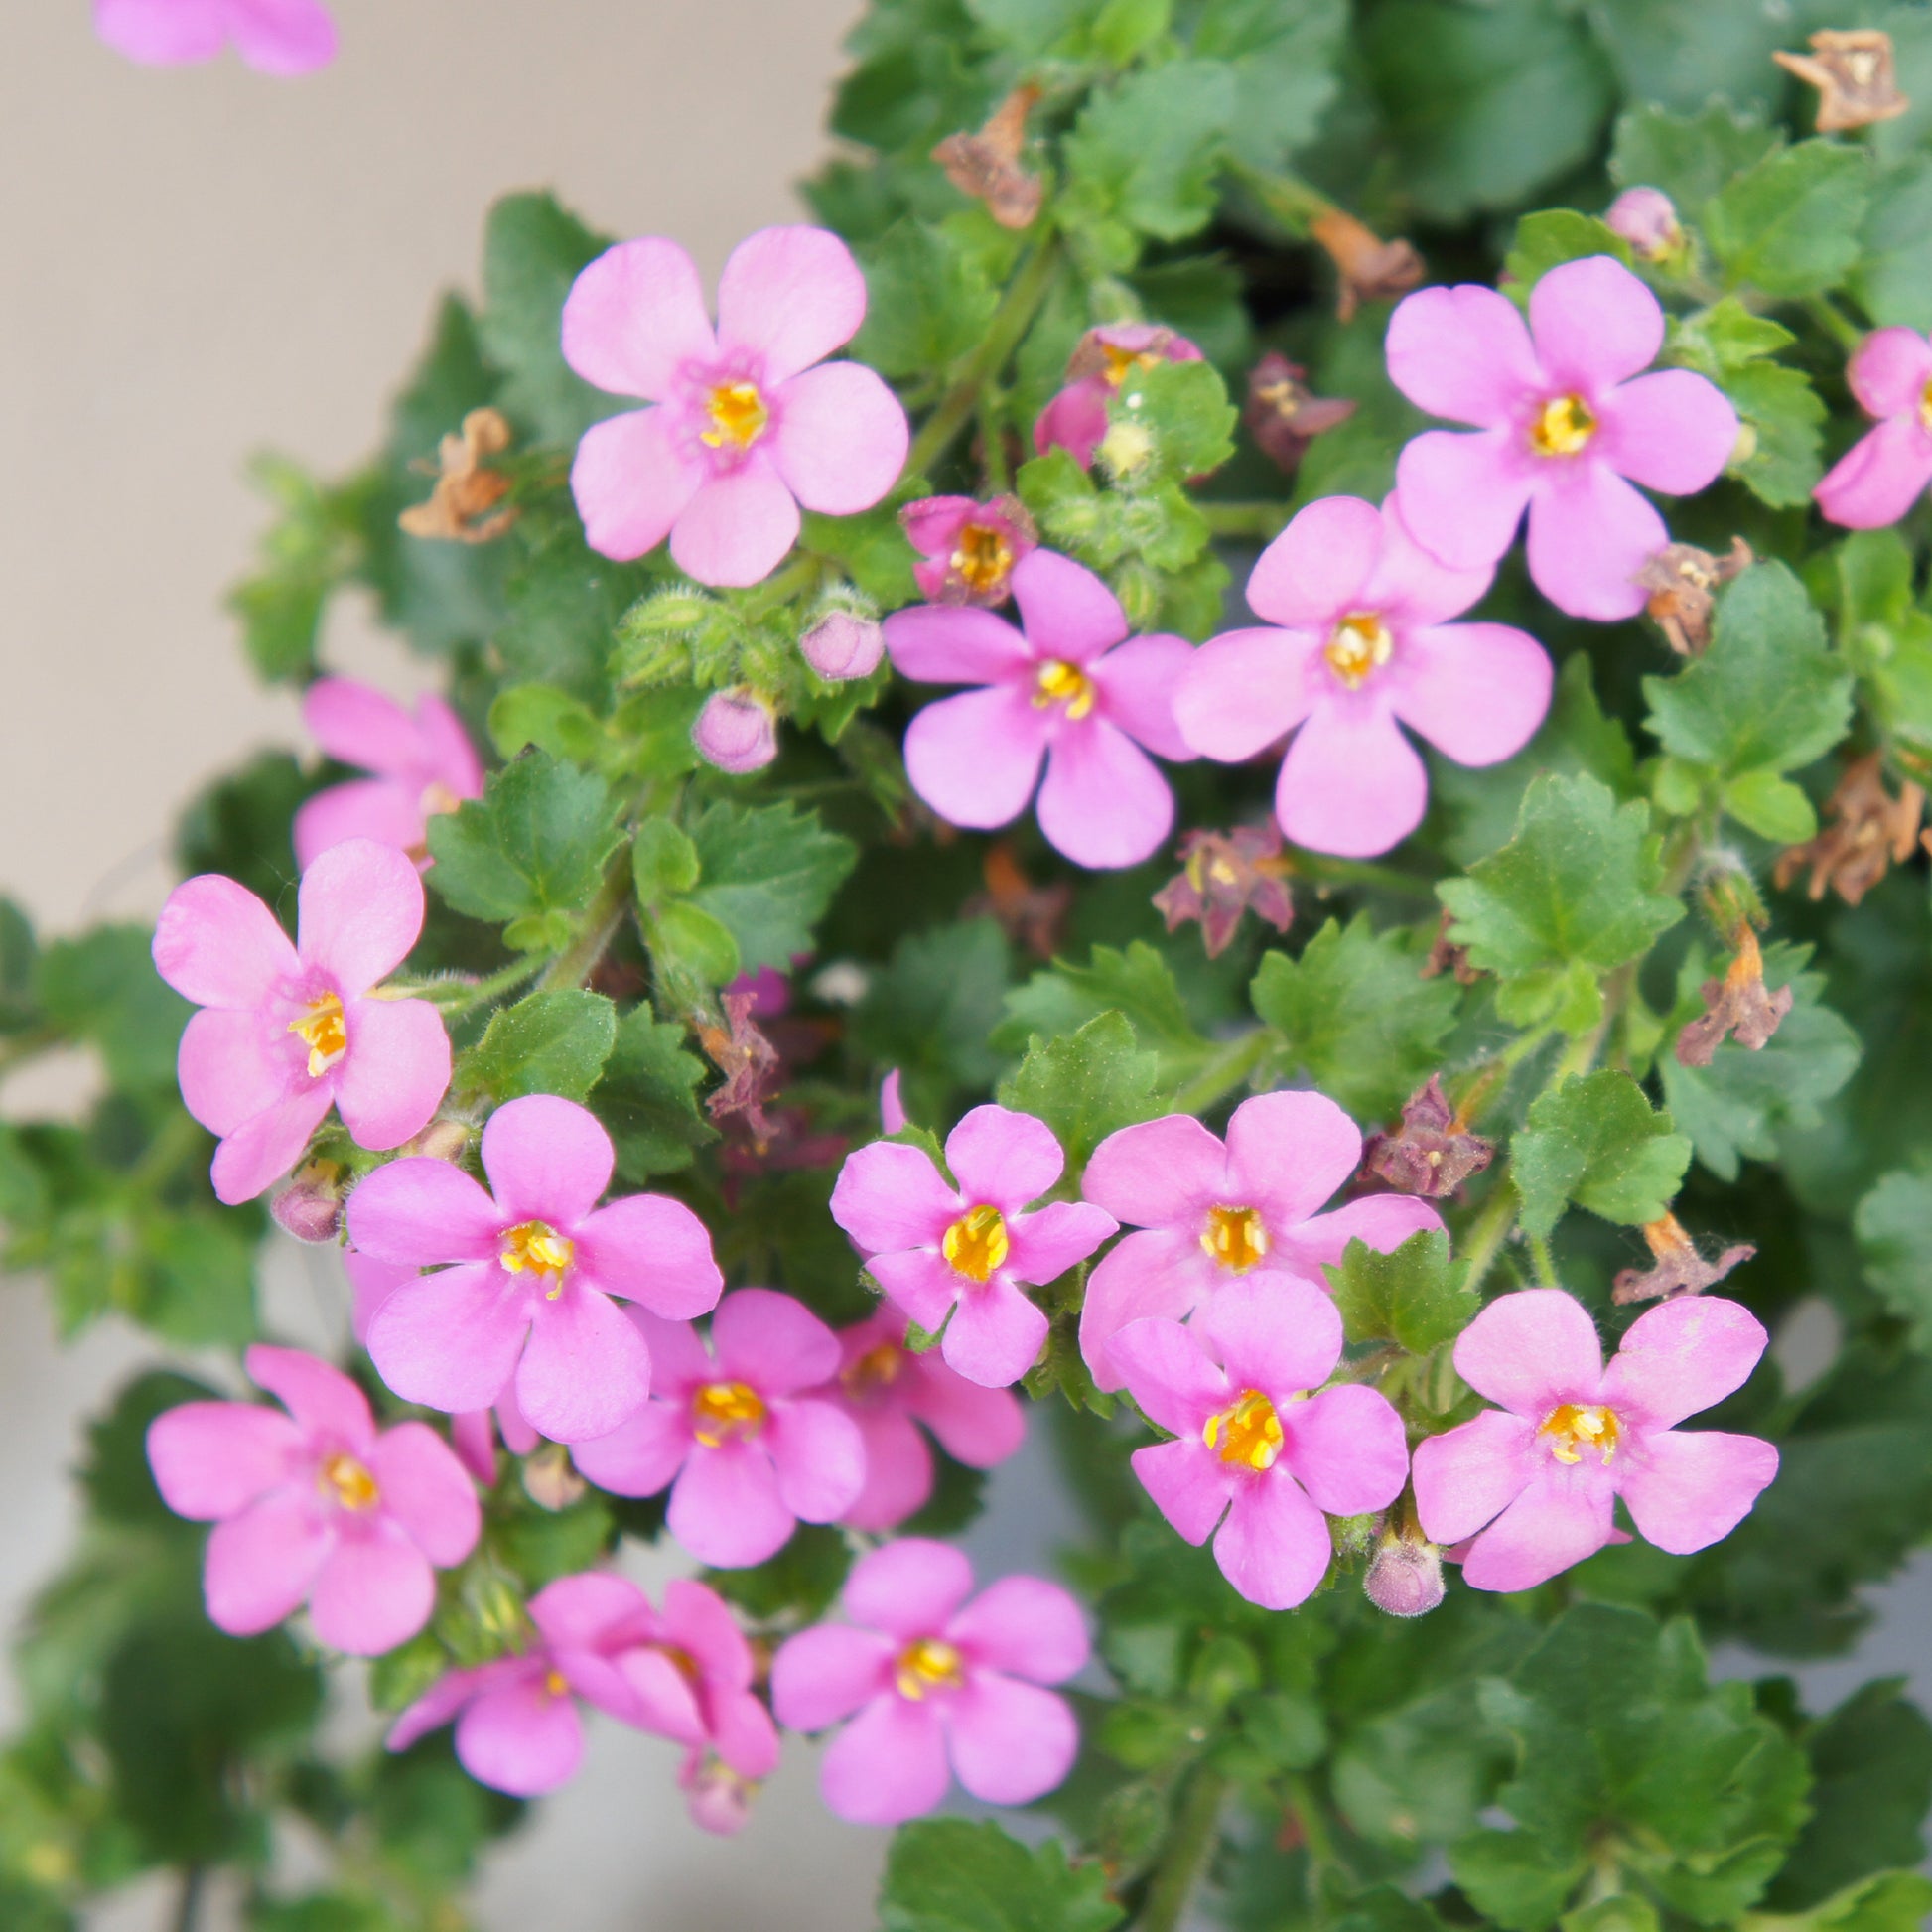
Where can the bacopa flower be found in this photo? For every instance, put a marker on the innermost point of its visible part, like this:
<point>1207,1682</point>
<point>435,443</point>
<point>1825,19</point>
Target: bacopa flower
<point>746,424</point>
<point>518,1726</point>
<point>738,1430</point>
<point>967,549</point>
<point>287,1031</point>
<point>1211,1216</point>
<point>933,1678</point>
<point>1646,218</point>
<point>1883,474</point>
<point>1076,419</point>
<point>536,1262</point>
<point>1535,1480</point>
<point>424,766</point>
<point>278,37</point>
<point>737,731</point>
<point>1363,648</point>
<point>888,1391</point>
<point>315,1506</point>
<point>955,1256</point>
<point>1253,1452</point>
<point>1563,416</point>
<point>1071,689</point>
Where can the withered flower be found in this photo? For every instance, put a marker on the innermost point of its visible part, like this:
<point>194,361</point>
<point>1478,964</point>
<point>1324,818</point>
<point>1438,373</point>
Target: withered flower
<point>1854,74</point>
<point>1681,581</point>
<point>1284,415</point>
<point>1223,874</point>
<point>549,1479</point>
<point>749,1063</point>
<point>1371,269</point>
<point>987,166</point>
<point>1679,1269</point>
<point>1444,957</point>
<point>1432,1153</point>
<point>459,509</point>
<point>1739,1004</point>
<point>1867,833</point>
<point>1030,915</point>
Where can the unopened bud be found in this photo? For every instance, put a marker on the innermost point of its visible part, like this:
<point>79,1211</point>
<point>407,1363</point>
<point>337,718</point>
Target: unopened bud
<point>441,1140</point>
<point>735,731</point>
<point>719,1798</point>
<point>843,645</point>
<point>309,1207</point>
<point>1406,1577</point>
<point>1646,218</point>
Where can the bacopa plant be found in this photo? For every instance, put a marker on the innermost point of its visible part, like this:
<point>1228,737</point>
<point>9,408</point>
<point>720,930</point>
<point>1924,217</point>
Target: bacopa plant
<point>1365,1033</point>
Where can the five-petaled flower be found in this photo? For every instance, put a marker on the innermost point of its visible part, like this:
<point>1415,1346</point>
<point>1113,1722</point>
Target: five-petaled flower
<point>1210,1215</point>
<point>1071,688</point>
<point>1360,645</point>
<point>932,1677</point>
<point>1884,473</point>
<point>746,424</point>
<point>1099,368</point>
<point>1563,415</point>
<point>742,1432</point>
<point>1536,1481</point>
<point>536,1262</point>
<point>967,549</point>
<point>316,1506</point>
<point>279,37</point>
<point>955,1256</point>
<point>1254,1452</point>
<point>286,1031</point>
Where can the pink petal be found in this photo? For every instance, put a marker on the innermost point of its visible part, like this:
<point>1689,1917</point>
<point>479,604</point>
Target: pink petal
<point>1316,570</point>
<point>940,644</point>
<point>839,439</point>
<point>232,1065</point>
<point>473,1436</point>
<point>1462,352</point>
<point>631,480</point>
<point>1152,1276</point>
<point>1466,1477</point>
<point>1157,1174</point>
<point>1476,691</point>
<point>1384,1221</point>
<point>426,1489</point>
<point>890,1196</point>
<point>370,1281</point>
<point>360,909</point>
<point>652,1250</point>
<point>1287,1154</point>
<point>640,1456</point>
<point>1591,533</point>
<point>919,1282</point>
<point>520,1738</point>
<point>726,1509</point>
<point>284,37</point>
<point>1104,802</point>
<point>995,1335</point>
<point>1011,1742</point>
<point>366,808</point>
<point>664,1701</point>
<point>1410,586</point>
<point>1002,1157</point>
<point>791,293</point>
<point>978,1426</point>
<point>1169,1375</point>
<point>1275,1546</point>
<point>451,757</point>
<point>358,725</point>
<point>217,944</point>
<point>1274,1333</point>
<point>259,1152</point>
<point>1596,324</point>
<point>1351,784</point>
<point>395,1072</point>
<point>584,1368</point>
<point>909,1589</point>
<point>1889,371</point>
<point>891,1109</point>
<point>743,1735</point>
<point>1673,431</point>
<point>1563,1516</point>
<point>418,1211</point>
<point>1189,1484</point>
<point>372,1594</point>
<point>1075,420</point>
<point>772,1342</point>
<point>826,1672</point>
<point>1686,1491</point>
<point>737,529</point>
<point>899,1468</point>
<point>635,316</point>
<point>1054,1238</point>
<point>1025,1626</point>
<point>262,1563</point>
<point>1347,1447</point>
<point>1879,478</point>
<point>820,1458</point>
<point>888,1765</point>
<point>1682,1356</point>
<point>442,1701</point>
<point>1531,1353</point>
<point>161,33</point>
<point>588,1610</point>
<point>320,1396</point>
<point>1245,689</point>
<point>548,1159</point>
<point>1462,496</point>
<point>1065,611</point>
<point>1137,683</point>
<point>974,758</point>
<point>212,1460</point>
<point>452,1340</point>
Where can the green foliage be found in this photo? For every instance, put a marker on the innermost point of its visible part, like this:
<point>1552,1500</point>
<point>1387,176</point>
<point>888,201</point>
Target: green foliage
<point>1790,225</point>
<point>1597,1142</point>
<point>309,552</point>
<point>551,1043</point>
<point>1689,156</point>
<point>647,1098</point>
<point>947,1876</point>
<point>1547,240</point>
<point>1409,1297</point>
<point>766,874</point>
<point>1783,412</point>
<point>1894,1230</point>
<point>1085,1086</point>
<point>532,252</point>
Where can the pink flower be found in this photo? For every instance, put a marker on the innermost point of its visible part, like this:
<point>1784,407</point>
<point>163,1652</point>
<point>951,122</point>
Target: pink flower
<point>1250,1453</point>
<point>746,426</point>
<point>888,1390</point>
<point>316,1506</point>
<point>517,1724</point>
<point>934,1678</point>
<point>1646,218</point>
<point>967,548</point>
<point>955,1256</point>
<point>843,645</point>
<point>892,1108</point>
<point>1539,1476</point>
<point>536,1263</point>
<point>1213,1216</point>
<point>1563,416</point>
<point>748,1447</point>
<point>1076,419</point>
<point>424,763</point>
<point>1363,648</point>
<point>1880,477</point>
<point>1069,691</point>
<point>279,37</point>
<point>287,1031</point>
<point>735,731</point>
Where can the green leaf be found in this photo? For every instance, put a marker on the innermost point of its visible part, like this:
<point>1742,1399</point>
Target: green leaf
<point>689,943</point>
<point>1547,240</point>
<point>1355,1015</point>
<point>116,1477</point>
<point>1597,1140</point>
<point>802,1580</point>
<point>1893,1901</point>
<point>1689,156</point>
<point>1894,1229</point>
<point>1030,27</point>
<point>766,874</point>
<point>647,1098</point>
<point>550,1043</point>
<point>1681,55</point>
<point>1790,224</point>
<point>944,1874</point>
<point>1138,981</point>
<point>930,1012</point>
<point>1084,1085</point>
<point>1284,61</point>
<point>663,862</point>
<point>240,826</point>
<point>928,301</point>
<point>562,603</point>
<point>1772,808</point>
<point>1187,408</point>
<point>102,989</point>
<point>1786,418</point>
<point>1892,278</point>
<point>311,549</point>
<point>1409,1297</point>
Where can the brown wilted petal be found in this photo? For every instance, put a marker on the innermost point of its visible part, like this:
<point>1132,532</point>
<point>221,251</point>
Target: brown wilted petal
<point>1679,1269</point>
<point>1855,77</point>
<point>1284,415</point>
<point>1681,581</point>
<point>1371,269</point>
<point>1446,957</point>
<point>1223,874</point>
<point>1030,915</point>
<point>1432,1153</point>
<point>987,166</point>
<point>749,1063</point>
<point>1740,1005</point>
<point>549,1481</point>
<point>466,492</point>
<point>1867,832</point>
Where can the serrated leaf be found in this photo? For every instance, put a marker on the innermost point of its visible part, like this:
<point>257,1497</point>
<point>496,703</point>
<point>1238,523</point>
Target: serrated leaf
<point>1682,55</point>
<point>1689,156</point>
<point>1085,1086</point>
<point>1552,237</point>
<point>1411,1297</point>
<point>550,1043</point>
<point>1185,406</point>
<point>766,874</point>
<point>1790,224</point>
<point>928,301</point>
<point>1138,981</point>
<point>931,1011</point>
<point>1772,808</point>
<point>1894,1229</point>
<point>1597,1140</point>
<point>1284,61</point>
<point>944,1874</point>
<point>1893,277</point>
<point>648,1098</point>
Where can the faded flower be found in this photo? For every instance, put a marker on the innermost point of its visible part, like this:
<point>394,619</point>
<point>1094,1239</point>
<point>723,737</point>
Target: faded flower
<point>987,166</point>
<point>1223,874</point>
<point>1681,581</point>
<point>1679,1269</point>
<point>1739,1004</point>
<point>1432,1153</point>
<point>1855,77</point>
<point>1284,415</point>
<point>462,508</point>
<point>1870,832</point>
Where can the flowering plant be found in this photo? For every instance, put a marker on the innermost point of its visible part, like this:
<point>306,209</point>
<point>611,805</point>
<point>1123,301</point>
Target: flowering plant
<point>744,1101</point>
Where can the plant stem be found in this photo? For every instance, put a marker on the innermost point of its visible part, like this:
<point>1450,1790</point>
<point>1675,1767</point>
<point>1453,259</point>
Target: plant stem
<point>1546,1262</point>
<point>1488,1233</point>
<point>188,1902</point>
<point>1360,872</point>
<point>1288,198</point>
<point>1192,1839</point>
<point>1835,321</point>
<point>1223,1073</point>
<point>604,915</point>
<point>1262,521</point>
<point>458,996</point>
<point>774,592</point>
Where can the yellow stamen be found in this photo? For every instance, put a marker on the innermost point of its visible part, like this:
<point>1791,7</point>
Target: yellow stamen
<point>726,1412</point>
<point>1925,407</point>
<point>1058,683</point>
<point>1253,1428</point>
<point>538,1247</point>
<point>877,1368</point>
<point>931,1664</point>
<point>977,1243</point>
<point>1576,1427</point>
<point>1562,427</point>
<point>324,1031</point>
<point>1359,644</point>
<point>738,416</point>
<point>352,1485</point>
<point>556,1684</point>
<point>982,558</point>
<point>1120,364</point>
<point>1234,1238</point>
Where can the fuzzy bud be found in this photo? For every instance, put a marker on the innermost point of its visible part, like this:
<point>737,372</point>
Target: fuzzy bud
<point>720,1800</point>
<point>737,731</point>
<point>1646,218</point>
<point>843,645</point>
<point>1406,1577</point>
<point>309,1207</point>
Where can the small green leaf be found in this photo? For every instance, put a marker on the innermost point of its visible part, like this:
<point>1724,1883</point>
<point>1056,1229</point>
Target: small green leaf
<point>1410,1297</point>
<point>766,874</point>
<point>1892,278</point>
<point>1773,807</point>
<point>102,989</point>
<point>663,862</point>
<point>1085,1085</point>
<point>1689,156</point>
<point>551,1043</point>
<point>928,301</point>
<point>1894,1229</point>
<point>1556,235</point>
<point>1790,224</point>
<point>648,1098</point>
<point>688,942</point>
<point>533,250</point>
<point>1185,406</point>
<point>1597,1140</point>
<point>1285,62</point>
<point>944,1874</point>
<point>1138,981</point>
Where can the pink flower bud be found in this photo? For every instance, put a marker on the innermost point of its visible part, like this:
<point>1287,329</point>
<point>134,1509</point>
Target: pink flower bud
<point>1406,1578</point>
<point>843,645</point>
<point>1647,220</point>
<point>309,1207</point>
<point>735,731</point>
<point>720,1800</point>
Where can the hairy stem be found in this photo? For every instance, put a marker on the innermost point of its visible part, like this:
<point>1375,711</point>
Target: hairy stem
<point>460,995</point>
<point>1293,202</point>
<point>1223,1073</point>
<point>1835,321</point>
<point>1488,1233</point>
<point>601,918</point>
<point>1190,1843</point>
<point>1323,870</point>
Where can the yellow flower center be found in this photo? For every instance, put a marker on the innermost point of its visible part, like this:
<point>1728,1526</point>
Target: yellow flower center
<point>1118,363</point>
<point>1562,427</point>
<point>352,1485</point>
<point>556,1684</point>
<point>1251,1429</point>
<point>1925,407</point>
<point>1059,682</point>
<point>977,1243</point>
<point>1234,1238</point>
<point>877,1368</point>
<point>1359,644</point>
<point>726,1412</point>
<point>982,559</point>
<point>537,1248</point>
<point>323,1030</point>
<point>1576,1427</point>
<point>738,416</point>
<point>929,1665</point>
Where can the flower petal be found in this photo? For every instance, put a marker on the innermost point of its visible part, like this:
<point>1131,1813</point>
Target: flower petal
<point>1347,1449</point>
<point>1168,1373</point>
<point>1245,689</point>
<point>1596,324</point>
<point>974,758</point>
<point>317,1395</point>
<point>1002,1157</point>
<point>1287,1154</point>
<point>1074,420</point>
<point>1682,1356</point>
<point>1275,1333</point>
<point>1157,1174</point>
<point>1025,1626</point>
<point>1468,1475</point>
<point>212,1460</point>
<point>1054,1238</point>
<point>548,1159</point>
<point>737,529</point>
<point>217,944</point>
<point>160,32</point>
<point>233,1064</point>
<point>1011,1742</point>
<point>1591,533</point>
<point>839,439</point>
<point>419,1211</point>
<point>908,1588</point>
<point>1688,1490</point>
<point>519,1737</point>
<point>359,908</point>
<point>826,1672</point>
<point>1351,784</point>
<point>1463,352</point>
<point>1532,1351</point>
<point>1065,609</point>
<point>1462,496</point>
<point>1673,431</point>
<point>919,1282</point>
<point>820,1458</point>
<point>1384,1221</point>
<point>584,1368</point>
<point>1889,371</point>
<point>1562,1517</point>
<point>259,1152</point>
<point>791,293</point>
<point>940,644</point>
<point>890,1196</point>
<point>1411,588</point>
<point>771,1341</point>
<point>427,1491</point>
<point>1879,478</point>
<point>635,316</point>
<point>640,1456</point>
<point>888,1765</point>
<point>1137,683</point>
<point>451,1340</point>
<point>395,1072</point>
<point>359,726</point>
<point>372,1594</point>
<point>1158,1274</point>
<point>1476,691</point>
<point>1104,802</point>
<point>653,1251</point>
<point>726,1509</point>
<point>1189,1485</point>
<point>1317,569</point>
<point>975,1425</point>
<point>590,1611</point>
<point>631,480</point>
<point>995,1335</point>
<point>262,1563</point>
<point>366,808</point>
<point>899,1467</point>
<point>1275,1545</point>
<point>284,37</point>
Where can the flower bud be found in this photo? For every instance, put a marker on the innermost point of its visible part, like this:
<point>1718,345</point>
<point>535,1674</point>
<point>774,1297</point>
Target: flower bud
<point>842,644</point>
<point>735,731</point>
<point>1406,1577</point>
<point>441,1140</point>
<point>309,1207</point>
<point>720,1800</point>
<point>1646,218</point>
<point>549,1479</point>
